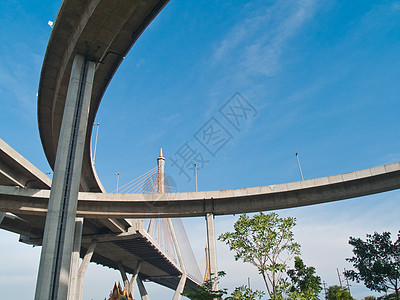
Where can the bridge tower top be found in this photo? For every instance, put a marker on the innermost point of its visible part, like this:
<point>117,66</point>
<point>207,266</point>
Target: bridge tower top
<point>160,164</point>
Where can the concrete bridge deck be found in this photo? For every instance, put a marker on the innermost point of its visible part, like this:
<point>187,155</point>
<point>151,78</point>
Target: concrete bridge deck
<point>272,197</point>
<point>118,240</point>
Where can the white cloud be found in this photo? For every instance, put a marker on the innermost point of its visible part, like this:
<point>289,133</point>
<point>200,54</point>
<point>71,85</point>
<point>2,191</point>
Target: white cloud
<point>172,117</point>
<point>396,6</point>
<point>17,90</point>
<point>257,43</point>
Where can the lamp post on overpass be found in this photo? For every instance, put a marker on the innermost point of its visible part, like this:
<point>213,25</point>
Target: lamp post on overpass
<point>195,175</point>
<point>298,161</point>
<point>117,173</point>
<point>95,141</point>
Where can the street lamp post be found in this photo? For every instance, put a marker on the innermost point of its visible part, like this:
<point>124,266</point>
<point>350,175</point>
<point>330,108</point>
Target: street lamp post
<point>95,142</point>
<point>298,161</point>
<point>195,175</point>
<point>117,180</point>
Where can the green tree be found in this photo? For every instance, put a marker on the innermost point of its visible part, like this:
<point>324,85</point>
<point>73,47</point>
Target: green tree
<point>205,291</point>
<point>304,284</point>
<point>245,293</point>
<point>391,296</point>
<point>377,262</point>
<point>265,241</point>
<point>338,293</point>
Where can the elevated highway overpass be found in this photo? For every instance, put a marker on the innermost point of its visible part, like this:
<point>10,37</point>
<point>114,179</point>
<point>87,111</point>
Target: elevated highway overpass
<point>100,33</point>
<point>25,192</point>
<point>119,242</point>
<point>33,202</point>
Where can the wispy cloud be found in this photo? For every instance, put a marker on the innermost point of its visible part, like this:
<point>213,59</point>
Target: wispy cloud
<point>172,117</point>
<point>396,6</point>
<point>18,89</point>
<point>273,27</point>
<point>390,158</point>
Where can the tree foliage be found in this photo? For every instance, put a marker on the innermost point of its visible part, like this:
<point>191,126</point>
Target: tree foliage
<point>304,283</point>
<point>245,293</point>
<point>377,262</point>
<point>205,291</point>
<point>336,292</point>
<point>267,242</point>
<point>391,296</point>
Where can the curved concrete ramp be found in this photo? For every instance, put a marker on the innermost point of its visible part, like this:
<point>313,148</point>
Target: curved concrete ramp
<point>272,197</point>
<point>102,31</point>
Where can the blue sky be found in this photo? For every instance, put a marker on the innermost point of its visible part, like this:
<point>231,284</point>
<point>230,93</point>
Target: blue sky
<point>322,76</point>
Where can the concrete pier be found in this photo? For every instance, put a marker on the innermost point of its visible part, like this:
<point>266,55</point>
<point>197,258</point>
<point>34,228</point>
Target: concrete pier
<point>212,250</point>
<point>58,240</point>
<point>73,293</point>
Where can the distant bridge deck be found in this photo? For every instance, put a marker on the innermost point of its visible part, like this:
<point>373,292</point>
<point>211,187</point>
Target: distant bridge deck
<point>128,248</point>
<point>118,240</point>
<point>264,198</point>
<point>25,191</point>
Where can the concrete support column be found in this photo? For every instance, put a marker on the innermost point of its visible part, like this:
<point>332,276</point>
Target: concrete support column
<point>142,290</point>
<point>73,284</point>
<point>212,250</point>
<point>83,268</point>
<point>2,215</point>
<point>182,281</point>
<point>124,276</point>
<point>134,277</point>
<point>180,288</point>
<point>75,292</point>
<point>55,260</point>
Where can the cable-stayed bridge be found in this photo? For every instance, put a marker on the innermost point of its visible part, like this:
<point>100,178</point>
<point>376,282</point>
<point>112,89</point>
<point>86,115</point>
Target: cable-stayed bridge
<point>72,216</point>
<point>155,250</point>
